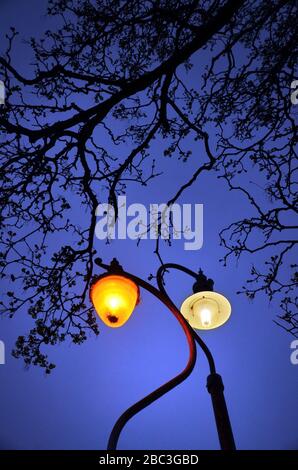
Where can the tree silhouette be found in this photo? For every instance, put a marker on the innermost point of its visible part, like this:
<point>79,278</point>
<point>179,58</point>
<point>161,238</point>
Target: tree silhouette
<point>113,77</point>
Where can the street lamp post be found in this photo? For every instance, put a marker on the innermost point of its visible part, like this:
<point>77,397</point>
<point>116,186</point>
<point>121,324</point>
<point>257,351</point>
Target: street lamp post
<point>114,295</point>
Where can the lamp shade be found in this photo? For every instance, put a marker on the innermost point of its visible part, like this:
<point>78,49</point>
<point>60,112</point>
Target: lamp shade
<point>206,310</point>
<point>114,298</point>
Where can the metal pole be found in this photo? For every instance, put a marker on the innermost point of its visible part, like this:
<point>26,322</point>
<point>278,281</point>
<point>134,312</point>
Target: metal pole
<point>224,429</point>
<point>214,381</point>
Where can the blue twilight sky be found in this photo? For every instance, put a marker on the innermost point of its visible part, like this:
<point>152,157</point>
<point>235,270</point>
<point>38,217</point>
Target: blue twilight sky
<point>76,406</point>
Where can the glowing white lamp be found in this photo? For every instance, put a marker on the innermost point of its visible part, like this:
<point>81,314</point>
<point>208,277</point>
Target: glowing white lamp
<point>205,309</point>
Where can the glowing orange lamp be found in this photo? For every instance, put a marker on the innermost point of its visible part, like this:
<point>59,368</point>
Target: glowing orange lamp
<point>114,298</point>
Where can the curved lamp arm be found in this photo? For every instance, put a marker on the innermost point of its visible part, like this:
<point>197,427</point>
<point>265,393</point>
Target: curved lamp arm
<point>159,392</point>
<point>159,277</point>
<point>214,381</point>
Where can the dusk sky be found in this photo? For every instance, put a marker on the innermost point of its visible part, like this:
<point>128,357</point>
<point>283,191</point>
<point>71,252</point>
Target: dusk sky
<point>76,406</point>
